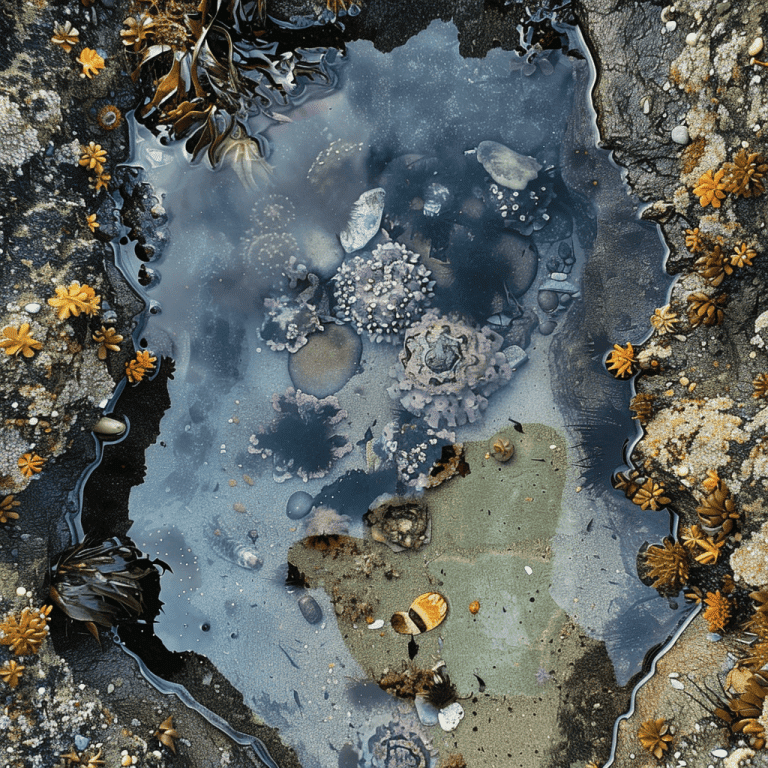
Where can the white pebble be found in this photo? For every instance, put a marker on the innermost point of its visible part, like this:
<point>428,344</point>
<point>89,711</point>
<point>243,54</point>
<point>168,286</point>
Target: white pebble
<point>719,753</point>
<point>756,47</point>
<point>671,26</point>
<point>378,624</point>
<point>20,591</point>
<point>33,308</point>
<point>691,38</point>
<point>677,684</point>
<point>449,717</point>
<point>680,134</point>
<point>528,569</point>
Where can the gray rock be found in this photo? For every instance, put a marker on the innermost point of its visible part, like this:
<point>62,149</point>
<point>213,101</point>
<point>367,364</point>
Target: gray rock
<point>505,166</point>
<point>548,300</point>
<point>561,286</point>
<point>364,220</point>
<point>515,356</point>
<point>559,276</point>
<point>547,327</point>
<point>523,260</point>
<point>428,713</point>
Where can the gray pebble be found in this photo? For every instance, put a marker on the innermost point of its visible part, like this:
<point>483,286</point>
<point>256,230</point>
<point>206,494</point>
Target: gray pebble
<point>560,287</point>
<point>298,505</point>
<point>427,712</point>
<point>81,742</point>
<point>547,327</point>
<point>559,276</point>
<point>548,300</point>
<point>515,355</point>
<point>680,134</point>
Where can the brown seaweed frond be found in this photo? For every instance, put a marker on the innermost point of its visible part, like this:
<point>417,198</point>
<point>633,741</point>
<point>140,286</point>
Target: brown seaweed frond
<point>667,565</point>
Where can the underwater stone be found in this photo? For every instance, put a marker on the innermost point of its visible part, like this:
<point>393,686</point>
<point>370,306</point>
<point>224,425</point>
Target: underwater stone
<point>515,356</point>
<point>81,742</point>
<point>548,300</point>
<point>436,197</point>
<point>299,505</point>
<point>547,327</point>
<point>523,260</point>
<point>327,361</point>
<point>427,712</point>
<point>310,609</point>
<point>561,286</point>
<point>108,427</point>
<point>505,166</point>
<point>364,220</point>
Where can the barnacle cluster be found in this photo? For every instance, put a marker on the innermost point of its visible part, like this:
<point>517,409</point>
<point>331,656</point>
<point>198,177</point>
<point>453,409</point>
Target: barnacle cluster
<point>400,523</point>
<point>717,510</point>
<point>302,440</point>
<point>24,632</point>
<point>645,492</point>
<point>383,292</point>
<point>743,177</point>
<point>448,369</point>
<point>289,320</point>
<point>743,712</point>
<point>522,209</point>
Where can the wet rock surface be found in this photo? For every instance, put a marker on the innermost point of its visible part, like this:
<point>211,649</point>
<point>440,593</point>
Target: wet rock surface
<point>653,78</point>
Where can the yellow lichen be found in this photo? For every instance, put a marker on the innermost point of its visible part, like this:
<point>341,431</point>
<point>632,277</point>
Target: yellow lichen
<point>91,62</point>
<point>6,509</point>
<point>11,673</point>
<point>65,35</point>
<point>655,737</point>
<point>19,340</point>
<point>93,156</point>
<point>710,189</point>
<point>25,632</point>
<point>30,464</point>
<point>138,367</point>
<point>101,181</point>
<point>664,320</point>
<point>90,220</point>
<point>621,361</point>
<point>74,300</point>
<point>693,240</point>
<point>718,614</point>
<point>108,340</point>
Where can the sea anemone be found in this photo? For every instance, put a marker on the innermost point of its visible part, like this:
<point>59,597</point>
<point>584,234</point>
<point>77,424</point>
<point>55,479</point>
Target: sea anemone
<point>302,440</point>
<point>718,510</point>
<point>654,735</point>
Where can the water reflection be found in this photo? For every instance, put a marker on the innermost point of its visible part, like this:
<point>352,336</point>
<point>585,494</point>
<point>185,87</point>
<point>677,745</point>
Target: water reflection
<point>474,159</point>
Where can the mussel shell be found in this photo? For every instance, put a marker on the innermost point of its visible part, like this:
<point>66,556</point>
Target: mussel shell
<point>310,609</point>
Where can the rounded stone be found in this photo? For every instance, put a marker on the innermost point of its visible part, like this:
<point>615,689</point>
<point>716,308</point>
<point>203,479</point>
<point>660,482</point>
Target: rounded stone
<point>298,505</point>
<point>547,327</point>
<point>680,134</point>
<point>505,166</point>
<point>523,260</point>
<point>548,300</point>
<point>327,361</point>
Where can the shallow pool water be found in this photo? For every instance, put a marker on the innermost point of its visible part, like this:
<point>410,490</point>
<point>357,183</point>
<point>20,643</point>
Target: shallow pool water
<point>265,403</point>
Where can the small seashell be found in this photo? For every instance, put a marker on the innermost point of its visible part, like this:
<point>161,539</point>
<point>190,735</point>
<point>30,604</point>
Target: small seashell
<point>756,47</point>
<point>107,426</point>
<point>310,609</point>
<point>474,606</point>
<point>426,612</point>
<point>719,753</point>
<point>364,220</point>
<point>450,717</point>
<point>378,624</point>
<point>33,307</point>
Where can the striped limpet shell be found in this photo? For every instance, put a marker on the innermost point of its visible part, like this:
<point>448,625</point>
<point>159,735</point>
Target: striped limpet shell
<point>426,612</point>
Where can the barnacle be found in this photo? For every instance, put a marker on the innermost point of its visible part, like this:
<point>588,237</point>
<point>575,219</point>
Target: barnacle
<point>718,510</point>
<point>91,62</point>
<point>744,176</point>
<point>704,309</point>
<point>138,367</point>
<point>711,550</point>
<point>667,565</point>
<point>642,405</point>
<point>693,240</point>
<point>137,30</point>
<point>742,255</point>
<point>25,632</point>
<point>650,495</point>
<point>109,117</point>
<point>713,266</point>
<point>760,385</point>
<point>166,733</point>
<point>65,35</point>
<point>718,613</point>
<point>19,340</point>
<point>90,220</point>
<point>11,673</point>
<point>6,509</point>
<point>710,189</point>
<point>108,340</point>
<point>621,361</point>
<point>93,156</point>
<point>30,463</point>
<point>654,735</point>
<point>75,299</point>
<point>664,319</point>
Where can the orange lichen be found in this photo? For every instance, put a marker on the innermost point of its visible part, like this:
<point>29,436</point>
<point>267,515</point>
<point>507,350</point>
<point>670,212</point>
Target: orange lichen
<point>65,35</point>
<point>25,632</point>
<point>710,189</point>
<point>744,176</point>
<point>655,737</point>
<point>6,509</point>
<point>108,340</point>
<point>705,310</point>
<point>667,565</point>
<point>710,551</point>
<point>11,673</point>
<point>93,156</point>
<point>718,614</point>
<point>137,368</point>
<point>91,62</point>
<point>742,255</point>
<point>694,241</point>
<point>664,319</point>
<point>109,117</point>
<point>74,300</point>
<point>650,495</point>
<point>101,181</point>
<point>19,340</point>
<point>621,361</point>
<point>30,464</point>
<point>760,385</point>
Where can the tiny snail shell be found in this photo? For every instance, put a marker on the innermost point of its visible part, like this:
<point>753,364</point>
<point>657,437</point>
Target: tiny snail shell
<point>310,609</point>
<point>474,606</point>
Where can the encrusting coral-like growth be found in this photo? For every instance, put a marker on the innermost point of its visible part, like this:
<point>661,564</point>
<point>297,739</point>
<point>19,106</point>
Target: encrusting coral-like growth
<point>667,565</point>
<point>705,310</point>
<point>744,176</point>
<point>694,241</point>
<point>718,613</point>
<point>138,367</point>
<point>621,362</point>
<point>19,340</point>
<point>30,464</point>
<point>108,340</point>
<point>73,300</point>
<point>25,632</point>
<point>91,62</point>
<point>655,737</point>
<point>6,509</point>
<point>11,672</point>
<point>664,320</point>
<point>711,189</point>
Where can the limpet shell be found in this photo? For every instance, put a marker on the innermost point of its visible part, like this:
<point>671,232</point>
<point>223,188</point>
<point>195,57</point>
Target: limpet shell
<point>426,612</point>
